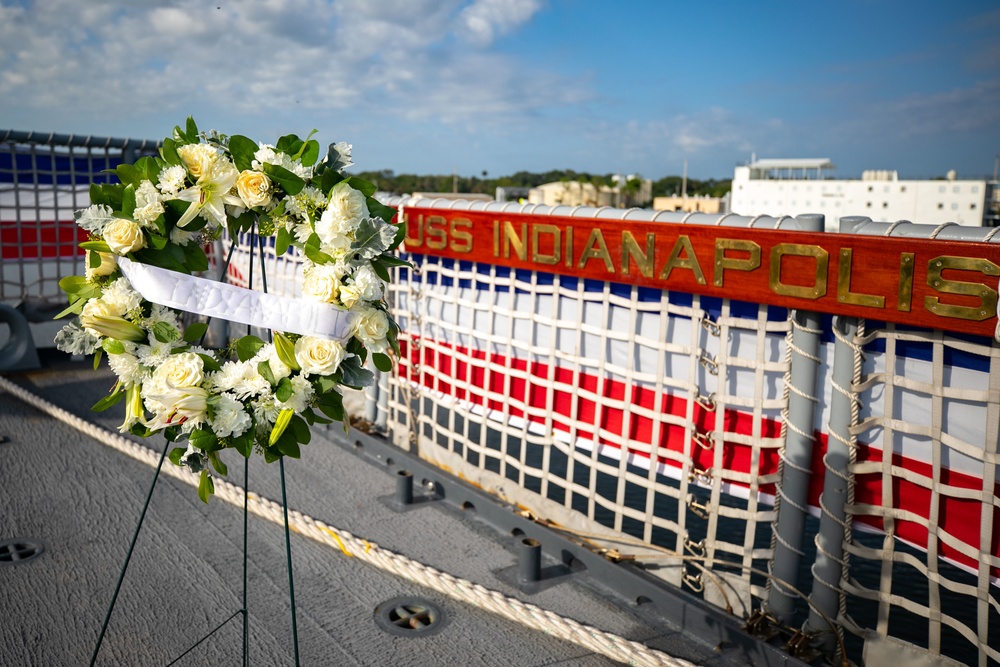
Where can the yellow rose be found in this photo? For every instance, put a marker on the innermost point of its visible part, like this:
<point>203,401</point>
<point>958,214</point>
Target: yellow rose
<point>124,236</point>
<point>319,356</point>
<point>107,267</point>
<point>198,158</point>
<point>254,188</point>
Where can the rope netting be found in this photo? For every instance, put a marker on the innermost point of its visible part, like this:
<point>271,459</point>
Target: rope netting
<point>600,406</point>
<point>922,558</point>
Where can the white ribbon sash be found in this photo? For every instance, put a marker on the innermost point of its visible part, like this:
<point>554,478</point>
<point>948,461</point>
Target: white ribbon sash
<point>235,304</point>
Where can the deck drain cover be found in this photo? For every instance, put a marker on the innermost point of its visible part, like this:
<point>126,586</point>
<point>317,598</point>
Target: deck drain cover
<point>18,550</point>
<point>409,617</point>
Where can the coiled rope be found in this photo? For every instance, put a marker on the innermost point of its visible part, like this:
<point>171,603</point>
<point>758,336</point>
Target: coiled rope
<point>592,639</point>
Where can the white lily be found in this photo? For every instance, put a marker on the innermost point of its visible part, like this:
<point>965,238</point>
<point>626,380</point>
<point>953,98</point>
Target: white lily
<point>210,194</point>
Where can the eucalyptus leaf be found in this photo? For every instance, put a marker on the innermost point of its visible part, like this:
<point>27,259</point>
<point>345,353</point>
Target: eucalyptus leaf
<point>368,237</point>
<point>353,375</point>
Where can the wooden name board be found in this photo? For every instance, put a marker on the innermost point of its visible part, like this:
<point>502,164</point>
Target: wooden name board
<point>949,285</point>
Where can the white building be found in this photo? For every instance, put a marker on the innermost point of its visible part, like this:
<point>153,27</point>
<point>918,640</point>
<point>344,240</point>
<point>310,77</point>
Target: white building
<point>791,187</point>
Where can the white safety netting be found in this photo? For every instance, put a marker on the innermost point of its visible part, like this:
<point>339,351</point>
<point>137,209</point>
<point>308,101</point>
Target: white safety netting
<point>605,408</point>
<point>922,558</point>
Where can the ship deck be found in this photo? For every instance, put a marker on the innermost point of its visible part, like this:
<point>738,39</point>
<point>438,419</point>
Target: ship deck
<point>81,499</point>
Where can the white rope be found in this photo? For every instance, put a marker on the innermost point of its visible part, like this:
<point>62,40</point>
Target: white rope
<point>588,637</point>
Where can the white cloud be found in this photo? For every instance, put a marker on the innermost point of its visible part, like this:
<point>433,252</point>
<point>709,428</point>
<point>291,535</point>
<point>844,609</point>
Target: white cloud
<point>486,19</point>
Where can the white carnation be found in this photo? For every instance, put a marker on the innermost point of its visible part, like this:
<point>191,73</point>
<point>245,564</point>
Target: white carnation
<point>155,353</point>
<point>120,296</point>
<point>345,211</point>
<point>227,416</point>
<point>241,378</point>
<point>266,408</point>
<point>267,155</point>
<point>322,282</point>
<point>163,314</point>
<point>148,206</point>
<point>172,179</point>
<point>369,284</point>
<point>127,367</point>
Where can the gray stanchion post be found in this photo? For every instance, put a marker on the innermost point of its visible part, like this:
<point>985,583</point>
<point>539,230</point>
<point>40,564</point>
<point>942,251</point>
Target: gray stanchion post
<point>799,440</point>
<point>795,474</point>
<point>381,405</point>
<point>404,488</point>
<point>827,570</point>
<point>529,568</point>
<point>372,398</point>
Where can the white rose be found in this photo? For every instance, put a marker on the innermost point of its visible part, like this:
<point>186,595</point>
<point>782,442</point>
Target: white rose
<point>350,295</point>
<point>371,327</point>
<point>345,210</point>
<point>124,236</point>
<point>182,370</point>
<point>319,356</point>
<point>254,188</point>
<point>321,282</point>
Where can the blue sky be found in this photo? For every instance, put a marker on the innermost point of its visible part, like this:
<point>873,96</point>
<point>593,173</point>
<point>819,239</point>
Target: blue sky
<point>433,86</point>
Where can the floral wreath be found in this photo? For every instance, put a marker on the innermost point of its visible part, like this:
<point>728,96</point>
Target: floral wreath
<point>253,394</point>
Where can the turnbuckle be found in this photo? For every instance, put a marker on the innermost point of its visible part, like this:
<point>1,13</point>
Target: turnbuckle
<point>711,327</point>
<point>704,440</point>
<point>710,364</point>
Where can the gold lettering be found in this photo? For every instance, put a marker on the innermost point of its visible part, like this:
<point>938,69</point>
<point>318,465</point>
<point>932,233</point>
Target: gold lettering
<point>905,293</point>
<point>510,238</point>
<point>722,262</point>
<point>419,228</point>
<point>690,261</point>
<point>844,293</point>
<point>596,248</point>
<point>818,288</point>
<point>643,261</point>
<point>458,234</point>
<point>496,238</point>
<point>437,238</point>
<point>987,296</point>
<point>569,246</point>
<point>536,255</point>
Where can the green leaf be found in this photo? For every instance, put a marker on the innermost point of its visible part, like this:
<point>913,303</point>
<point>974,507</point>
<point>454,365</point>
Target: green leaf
<point>280,424</point>
<point>329,179</point>
<point>140,430</point>
<point>203,439</point>
<point>128,201</point>
<point>264,368</point>
<point>364,187</point>
<point>195,258</point>
<point>242,149</point>
<point>191,131</point>
<point>176,454</point>
<point>217,463</point>
<point>112,346</point>
<point>244,443</point>
<point>313,418</point>
<point>317,256</point>
<point>286,350</point>
<point>284,390</point>
<point>310,153</point>
<point>380,270</point>
<point>98,354</point>
<point>209,363</point>
<point>382,362</point>
<point>158,241</point>
<point>97,194</point>
<point>282,242</point>
<point>300,429</point>
<point>168,151</point>
<point>206,487</point>
<point>247,347</point>
<point>289,182</point>
<point>109,400</point>
<point>96,246</point>
<point>162,258</point>
<point>128,174</point>
<point>194,331</point>
<point>165,333</point>
<point>377,209</point>
<point>288,446</point>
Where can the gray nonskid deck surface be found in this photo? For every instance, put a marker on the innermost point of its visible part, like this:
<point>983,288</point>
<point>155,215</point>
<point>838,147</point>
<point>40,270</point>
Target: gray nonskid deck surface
<point>82,500</point>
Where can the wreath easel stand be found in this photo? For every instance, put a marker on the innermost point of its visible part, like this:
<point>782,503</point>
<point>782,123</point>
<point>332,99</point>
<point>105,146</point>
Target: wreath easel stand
<point>244,609</point>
